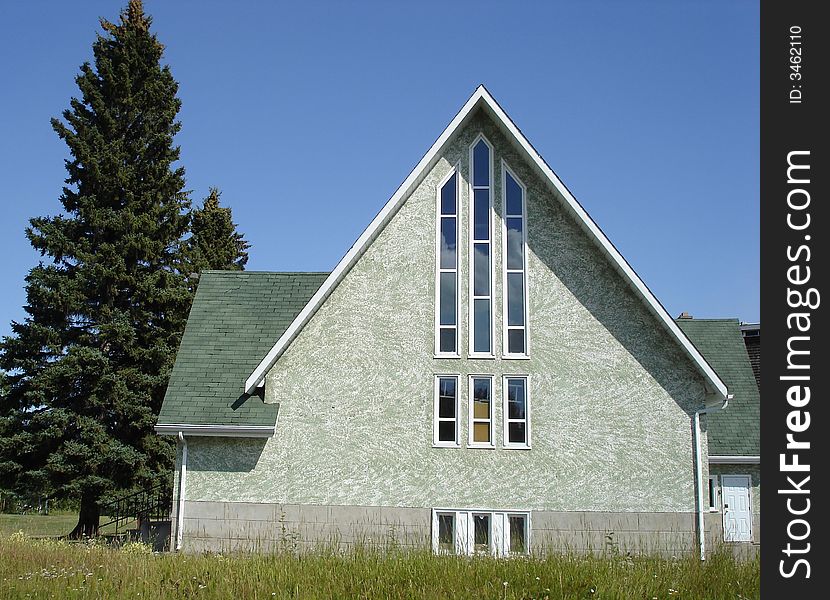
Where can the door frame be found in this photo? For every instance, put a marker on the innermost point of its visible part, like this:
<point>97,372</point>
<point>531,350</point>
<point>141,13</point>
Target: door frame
<point>748,479</point>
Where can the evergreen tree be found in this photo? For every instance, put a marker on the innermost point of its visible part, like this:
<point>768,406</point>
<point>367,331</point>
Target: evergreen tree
<point>88,367</point>
<point>214,242</point>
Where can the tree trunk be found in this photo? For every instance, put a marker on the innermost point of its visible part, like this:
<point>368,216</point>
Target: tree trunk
<point>88,519</point>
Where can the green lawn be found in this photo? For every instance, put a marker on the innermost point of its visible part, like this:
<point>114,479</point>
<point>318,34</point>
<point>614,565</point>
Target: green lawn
<point>50,569</point>
<point>34,524</point>
<point>55,524</point>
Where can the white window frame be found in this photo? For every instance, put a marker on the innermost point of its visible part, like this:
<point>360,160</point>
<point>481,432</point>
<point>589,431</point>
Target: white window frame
<point>436,418</point>
<point>438,270</point>
<point>505,170</point>
<point>499,542</point>
<point>436,546</point>
<point>472,420</point>
<point>507,516</point>
<point>714,486</point>
<point>505,415</point>
<point>471,254</point>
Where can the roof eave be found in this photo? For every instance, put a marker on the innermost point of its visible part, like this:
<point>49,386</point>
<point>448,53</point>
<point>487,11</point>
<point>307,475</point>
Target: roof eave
<point>248,431</point>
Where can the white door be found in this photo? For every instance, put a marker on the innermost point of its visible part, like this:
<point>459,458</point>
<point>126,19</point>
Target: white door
<point>737,510</point>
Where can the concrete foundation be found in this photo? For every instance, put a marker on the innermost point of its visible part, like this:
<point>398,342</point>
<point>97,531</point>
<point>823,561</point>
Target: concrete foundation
<point>256,527</point>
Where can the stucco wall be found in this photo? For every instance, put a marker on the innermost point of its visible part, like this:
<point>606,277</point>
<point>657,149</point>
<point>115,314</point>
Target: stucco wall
<point>611,394</point>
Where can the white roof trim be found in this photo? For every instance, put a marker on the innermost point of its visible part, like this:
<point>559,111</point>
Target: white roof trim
<point>256,431</point>
<point>734,460</point>
<point>482,97</point>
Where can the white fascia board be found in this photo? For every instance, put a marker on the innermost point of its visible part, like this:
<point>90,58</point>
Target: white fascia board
<point>588,224</point>
<point>251,431</point>
<point>362,243</point>
<point>734,460</point>
<point>481,95</point>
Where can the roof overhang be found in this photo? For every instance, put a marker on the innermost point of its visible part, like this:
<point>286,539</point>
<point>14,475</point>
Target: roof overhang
<point>251,431</point>
<point>734,460</point>
<point>481,98</point>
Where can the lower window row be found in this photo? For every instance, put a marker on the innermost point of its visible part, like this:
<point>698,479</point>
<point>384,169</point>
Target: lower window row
<point>500,533</point>
<point>515,411</point>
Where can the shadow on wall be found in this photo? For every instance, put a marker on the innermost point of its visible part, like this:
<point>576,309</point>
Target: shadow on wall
<point>225,455</point>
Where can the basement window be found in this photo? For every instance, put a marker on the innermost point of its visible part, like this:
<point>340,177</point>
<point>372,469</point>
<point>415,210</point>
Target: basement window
<point>446,532</point>
<point>494,532</point>
<point>517,533</point>
<point>481,533</point>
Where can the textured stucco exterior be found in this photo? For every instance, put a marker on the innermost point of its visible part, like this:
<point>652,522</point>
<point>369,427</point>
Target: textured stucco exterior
<point>611,393</point>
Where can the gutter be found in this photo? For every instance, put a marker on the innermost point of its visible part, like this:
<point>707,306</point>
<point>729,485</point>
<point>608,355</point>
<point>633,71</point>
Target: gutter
<point>182,480</point>
<point>734,460</point>
<point>254,431</point>
<point>701,532</point>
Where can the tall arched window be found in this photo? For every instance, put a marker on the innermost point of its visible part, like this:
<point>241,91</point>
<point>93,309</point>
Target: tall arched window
<point>514,260</point>
<point>481,248</point>
<point>446,305</point>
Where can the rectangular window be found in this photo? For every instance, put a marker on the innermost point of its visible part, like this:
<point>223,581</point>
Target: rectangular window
<point>446,532</point>
<point>516,534</point>
<point>446,317</point>
<point>445,411</point>
<point>501,533</point>
<point>713,492</point>
<point>516,413</point>
<point>481,533</point>
<point>514,241</point>
<point>481,246</point>
<point>481,411</point>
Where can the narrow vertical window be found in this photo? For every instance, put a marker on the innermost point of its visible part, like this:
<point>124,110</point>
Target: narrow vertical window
<point>445,421</point>
<point>713,492</point>
<point>481,533</point>
<point>515,265</point>
<point>516,421</point>
<point>481,411</point>
<point>446,310</point>
<point>481,244</point>
<point>446,532</point>
<point>517,534</point>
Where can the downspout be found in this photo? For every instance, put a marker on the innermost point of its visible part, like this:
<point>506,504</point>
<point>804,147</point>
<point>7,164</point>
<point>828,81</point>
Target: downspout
<point>182,480</point>
<point>701,533</point>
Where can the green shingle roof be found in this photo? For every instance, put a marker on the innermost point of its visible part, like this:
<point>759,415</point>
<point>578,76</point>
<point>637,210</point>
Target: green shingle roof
<point>736,430</point>
<point>235,318</point>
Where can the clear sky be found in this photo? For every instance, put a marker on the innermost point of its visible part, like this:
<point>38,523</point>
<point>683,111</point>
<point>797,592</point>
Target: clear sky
<point>308,115</point>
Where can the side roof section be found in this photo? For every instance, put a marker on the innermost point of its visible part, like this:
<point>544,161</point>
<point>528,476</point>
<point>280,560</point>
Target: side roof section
<point>481,98</point>
<point>233,321</point>
<point>734,432</point>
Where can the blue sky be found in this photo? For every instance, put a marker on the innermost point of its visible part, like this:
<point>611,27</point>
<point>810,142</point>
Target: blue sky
<point>309,115</point>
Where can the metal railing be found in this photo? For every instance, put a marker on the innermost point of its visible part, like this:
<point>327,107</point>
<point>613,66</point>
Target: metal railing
<point>155,503</point>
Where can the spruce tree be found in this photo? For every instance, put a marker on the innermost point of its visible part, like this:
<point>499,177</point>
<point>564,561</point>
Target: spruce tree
<point>214,242</point>
<point>88,367</point>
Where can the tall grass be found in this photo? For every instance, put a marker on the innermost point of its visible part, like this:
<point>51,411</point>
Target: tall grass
<point>49,569</point>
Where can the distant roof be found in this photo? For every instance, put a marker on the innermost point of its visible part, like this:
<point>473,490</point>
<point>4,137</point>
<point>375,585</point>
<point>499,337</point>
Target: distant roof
<point>736,430</point>
<point>235,317</point>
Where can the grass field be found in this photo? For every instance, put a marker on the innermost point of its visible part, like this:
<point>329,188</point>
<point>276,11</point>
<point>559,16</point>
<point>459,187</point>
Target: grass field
<point>51,569</point>
<point>34,524</point>
<point>55,524</point>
